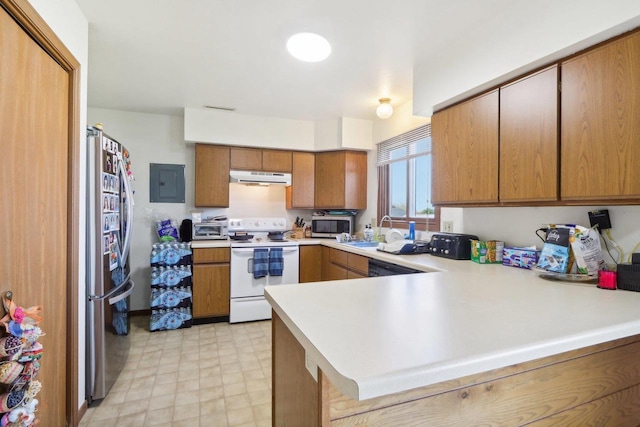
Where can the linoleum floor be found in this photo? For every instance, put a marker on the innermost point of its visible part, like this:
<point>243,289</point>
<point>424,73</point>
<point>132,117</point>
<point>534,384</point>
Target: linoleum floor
<point>207,375</point>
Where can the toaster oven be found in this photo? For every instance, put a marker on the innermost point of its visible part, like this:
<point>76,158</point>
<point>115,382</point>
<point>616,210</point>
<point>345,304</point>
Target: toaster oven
<point>210,230</point>
<point>451,245</point>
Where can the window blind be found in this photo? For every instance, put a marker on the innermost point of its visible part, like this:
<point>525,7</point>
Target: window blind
<point>405,146</point>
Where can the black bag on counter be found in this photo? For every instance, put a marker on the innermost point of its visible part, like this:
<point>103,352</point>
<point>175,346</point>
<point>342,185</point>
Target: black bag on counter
<point>186,230</point>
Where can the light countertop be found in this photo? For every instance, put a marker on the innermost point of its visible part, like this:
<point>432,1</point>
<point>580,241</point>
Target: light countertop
<point>203,244</point>
<point>418,262</point>
<point>383,335</point>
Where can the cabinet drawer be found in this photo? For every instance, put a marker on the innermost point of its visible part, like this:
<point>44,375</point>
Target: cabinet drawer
<point>339,257</point>
<point>209,255</point>
<point>358,263</point>
<point>337,272</point>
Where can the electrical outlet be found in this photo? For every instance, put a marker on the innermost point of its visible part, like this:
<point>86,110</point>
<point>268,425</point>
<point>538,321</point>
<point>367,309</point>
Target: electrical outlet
<point>447,226</point>
<point>600,219</point>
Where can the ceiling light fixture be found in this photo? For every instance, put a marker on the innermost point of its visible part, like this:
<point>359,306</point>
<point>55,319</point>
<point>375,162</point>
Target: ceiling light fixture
<point>384,110</point>
<point>308,47</point>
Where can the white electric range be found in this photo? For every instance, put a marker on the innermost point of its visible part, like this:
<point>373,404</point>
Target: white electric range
<point>261,239</point>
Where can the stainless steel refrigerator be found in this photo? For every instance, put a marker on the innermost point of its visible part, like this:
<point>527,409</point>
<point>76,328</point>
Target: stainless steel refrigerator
<point>109,284</point>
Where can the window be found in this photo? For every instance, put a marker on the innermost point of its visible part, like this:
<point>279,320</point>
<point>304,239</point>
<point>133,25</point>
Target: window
<point>404,179</point>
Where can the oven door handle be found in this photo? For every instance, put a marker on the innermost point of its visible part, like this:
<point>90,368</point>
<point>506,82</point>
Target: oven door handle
<point>250,250</point>
<point>250,265</point>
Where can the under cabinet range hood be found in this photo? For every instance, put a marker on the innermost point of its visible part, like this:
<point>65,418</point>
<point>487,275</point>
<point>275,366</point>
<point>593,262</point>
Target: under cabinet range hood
<point>260,178</point>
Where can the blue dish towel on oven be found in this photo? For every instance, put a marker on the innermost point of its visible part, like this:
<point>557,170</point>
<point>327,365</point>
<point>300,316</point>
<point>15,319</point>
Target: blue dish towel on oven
<point>260,262</point>
<point>276,262</point>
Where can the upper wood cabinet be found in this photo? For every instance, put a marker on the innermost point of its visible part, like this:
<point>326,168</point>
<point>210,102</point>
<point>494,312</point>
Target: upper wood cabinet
<point>341,180</point>
<point>529,138</point>
<point>246,158</point>
<point>257,159</point>
<point>600,122</point>
<point>276,161</point>
<point>212,176</point>
<point>465,152</point>
<point>301,193</point>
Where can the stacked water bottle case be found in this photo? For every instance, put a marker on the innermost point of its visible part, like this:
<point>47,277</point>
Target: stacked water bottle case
<point>171,292</point>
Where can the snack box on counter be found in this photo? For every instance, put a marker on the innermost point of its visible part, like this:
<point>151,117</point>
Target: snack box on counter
<point>489,252</point>
<point>520,257</point>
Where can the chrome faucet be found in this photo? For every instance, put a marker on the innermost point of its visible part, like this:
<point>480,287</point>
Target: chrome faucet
<point>388,218</point>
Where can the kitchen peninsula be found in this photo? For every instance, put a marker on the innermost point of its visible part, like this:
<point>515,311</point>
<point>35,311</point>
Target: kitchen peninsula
<point>477,344</point>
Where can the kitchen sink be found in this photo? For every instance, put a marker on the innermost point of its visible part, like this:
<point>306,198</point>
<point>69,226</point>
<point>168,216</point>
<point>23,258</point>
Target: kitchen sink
<point>362,244</point>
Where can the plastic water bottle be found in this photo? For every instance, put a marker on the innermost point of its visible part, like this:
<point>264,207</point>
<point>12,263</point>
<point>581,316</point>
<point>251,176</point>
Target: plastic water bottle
<point>412,230</point>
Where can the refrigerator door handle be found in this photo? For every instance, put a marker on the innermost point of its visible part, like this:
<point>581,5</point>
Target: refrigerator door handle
<point>122,172</point>
<point>112,291</point>
<point>123,295</point>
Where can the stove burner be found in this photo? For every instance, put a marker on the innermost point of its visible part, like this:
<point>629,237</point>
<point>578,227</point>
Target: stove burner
<point>241,237</point>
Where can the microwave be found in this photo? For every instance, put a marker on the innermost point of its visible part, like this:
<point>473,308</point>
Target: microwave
<point>210,230</point>
<point>331,225</point>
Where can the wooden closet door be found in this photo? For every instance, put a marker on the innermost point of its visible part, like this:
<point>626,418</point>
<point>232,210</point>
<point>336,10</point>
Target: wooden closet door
<point>34,143</point>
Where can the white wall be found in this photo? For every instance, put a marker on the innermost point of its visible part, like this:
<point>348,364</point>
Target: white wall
<point>231,128</point>
<point>503,49</point>
<point>70,25</point>
<point>327,135</point>
<point>516,226</point>
<point>357,134</point>
<point>403,120</point>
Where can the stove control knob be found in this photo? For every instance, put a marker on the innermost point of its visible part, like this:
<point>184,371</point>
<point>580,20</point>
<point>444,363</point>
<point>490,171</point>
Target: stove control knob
<point>257,223</point>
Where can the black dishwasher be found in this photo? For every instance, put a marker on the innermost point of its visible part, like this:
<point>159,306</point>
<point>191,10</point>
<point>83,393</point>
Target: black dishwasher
<point>381,268</point>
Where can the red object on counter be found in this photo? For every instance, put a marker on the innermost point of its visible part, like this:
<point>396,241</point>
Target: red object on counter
<point>607,279</point>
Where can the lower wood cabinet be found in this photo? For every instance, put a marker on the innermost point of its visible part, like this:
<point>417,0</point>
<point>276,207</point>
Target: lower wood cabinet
<point>358,266</point>
<point>211,282</point>
<point>346,265</point>
<point>325,262</point>
<point>310,263</point>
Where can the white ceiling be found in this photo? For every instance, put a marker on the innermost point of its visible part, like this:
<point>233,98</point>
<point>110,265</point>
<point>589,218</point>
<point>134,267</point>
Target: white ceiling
<point>160,56</point>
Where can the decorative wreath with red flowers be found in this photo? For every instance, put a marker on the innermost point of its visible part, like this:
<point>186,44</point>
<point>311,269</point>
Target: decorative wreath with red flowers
<point>20,354</point>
